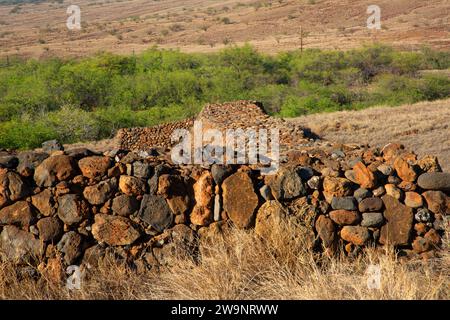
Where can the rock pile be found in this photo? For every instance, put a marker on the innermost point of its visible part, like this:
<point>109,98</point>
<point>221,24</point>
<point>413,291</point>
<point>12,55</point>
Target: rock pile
<point>151,137</point>
<point>234,115</point>
<point>73,207</point>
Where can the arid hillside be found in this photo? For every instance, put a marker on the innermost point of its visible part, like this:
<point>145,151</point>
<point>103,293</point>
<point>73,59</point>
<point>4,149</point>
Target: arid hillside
<point>39,30</point>
<point>423,127</point>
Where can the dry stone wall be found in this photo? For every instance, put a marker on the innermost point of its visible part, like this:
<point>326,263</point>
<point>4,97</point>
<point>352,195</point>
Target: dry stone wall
<point>73,207</point>
<point>59,208</point>
<point>241,114</point>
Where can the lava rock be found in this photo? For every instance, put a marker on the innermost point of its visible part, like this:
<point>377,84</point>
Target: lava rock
<point>156,212</point>
<point>344,203</point>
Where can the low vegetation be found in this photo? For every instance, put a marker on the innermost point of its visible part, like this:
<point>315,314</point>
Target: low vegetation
<point>90,98</point>
<point>241,267</point>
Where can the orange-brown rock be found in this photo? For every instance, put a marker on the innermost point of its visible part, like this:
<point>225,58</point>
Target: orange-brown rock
<point>413,199</point>
<point>326,230</point>
<point>53,170</point>
<point>399,223</point>
<point>345,217</point>
<point>437,202</point>
<point>131,186</point>
<point>420,245</point>
<point>393,191</point>
<point>433,237</point>
<point>95,166</point>
<point>392,150</point>
<point>114,230</point>
<point>12,187</point>
<point>44,202</point>
<point>269,216</point>
<point>336,187</point>
<point>355,234</point>
<point>421,228</point>
<point>19,214</point>
<point>364,176</point>
<point>202,213</point>
<point>240,199</point>
<point>405,170</point>
<point>50,229</point>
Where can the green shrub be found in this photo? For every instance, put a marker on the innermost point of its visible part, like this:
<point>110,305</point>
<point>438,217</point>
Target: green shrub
<point>90,98</point>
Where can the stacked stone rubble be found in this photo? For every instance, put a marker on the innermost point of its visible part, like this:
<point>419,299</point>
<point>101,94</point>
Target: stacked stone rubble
<point>72,207</point>
<point>227,116</point>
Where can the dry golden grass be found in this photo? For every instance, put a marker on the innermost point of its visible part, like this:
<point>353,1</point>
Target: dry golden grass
<point>244,267</point>
<point>423,127</point>
<point>124,26</point>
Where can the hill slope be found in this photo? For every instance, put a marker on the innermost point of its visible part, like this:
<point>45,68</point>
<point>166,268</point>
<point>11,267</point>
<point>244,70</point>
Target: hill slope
<point>208,25</point>
<point>423,127</point>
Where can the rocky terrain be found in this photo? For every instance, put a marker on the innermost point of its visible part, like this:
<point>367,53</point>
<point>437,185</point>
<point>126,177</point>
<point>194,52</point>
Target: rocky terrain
<point>64,207</point>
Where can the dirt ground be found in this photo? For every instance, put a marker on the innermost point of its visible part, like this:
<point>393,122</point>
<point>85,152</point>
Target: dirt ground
<point>126,26</point>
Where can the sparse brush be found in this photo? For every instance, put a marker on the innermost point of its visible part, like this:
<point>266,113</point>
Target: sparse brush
<point>242,266</point>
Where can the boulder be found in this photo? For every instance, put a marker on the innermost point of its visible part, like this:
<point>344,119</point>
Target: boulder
<point>70,245</point>
<point>405,170</point>
<point>429,164</point>
<point>344,203</point>
<point>364,177</point>
<point>336,187</point>
<point>44,202</point>
<point>202,214</point>
<point>345,217</point>
<point>385,169</point>
<point>101,192</point>
<point>372,219</point>
<point>370,204</point>
<point>399,222</point>
<point>413,199</point>
<point>423,215</point>
<point>178,243</point>
<point>437,202</point>
<point>155,212</point>
<point>95,166</point>
<point>131,186</point>
<point>287,184</point>
<point>28,161</point>
<point>51,145</point>
<point>53,170</point>
<point>361,194</point>
<point>114,230</point>
<point>72,209</point>
<point>326,230</point>
<point>8,161</point>
<point>50,229</point>
<point>269,215</point>
<point>79,153</point>
<point>240,199</point>
<point>19,214</point>
<point>142,170</point>
<point>421,244</point>
<point>434,181</point>
<point>174,189</point>
<point>355,234</point>
<point>393,191</point>
<point>12,188</point>
<point>124,205</point>
<point>220,172</point>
